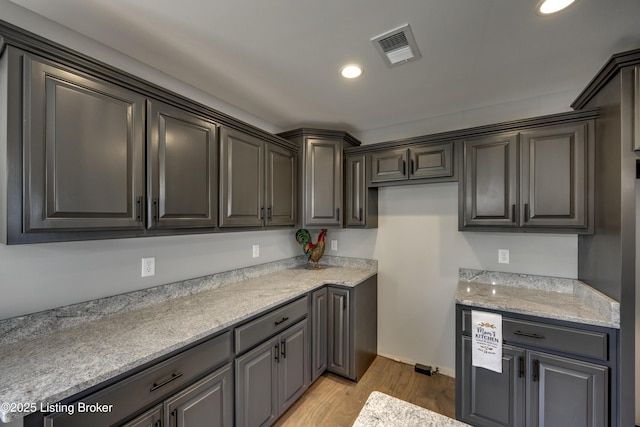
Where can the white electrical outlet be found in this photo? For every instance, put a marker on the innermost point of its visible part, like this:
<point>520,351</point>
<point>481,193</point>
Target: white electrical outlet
<point>334,245</point>
<point>503,256</point>
<point>256,251</point>
<point>148,266</point>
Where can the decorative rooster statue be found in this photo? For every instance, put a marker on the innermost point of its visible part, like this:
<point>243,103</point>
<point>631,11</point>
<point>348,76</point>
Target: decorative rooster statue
<point>313,251</point>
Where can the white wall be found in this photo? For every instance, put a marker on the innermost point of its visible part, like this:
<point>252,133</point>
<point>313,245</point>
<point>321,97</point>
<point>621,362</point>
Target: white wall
<point>419,250</point>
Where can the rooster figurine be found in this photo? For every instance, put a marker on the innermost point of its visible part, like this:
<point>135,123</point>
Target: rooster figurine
<point>313,251</point>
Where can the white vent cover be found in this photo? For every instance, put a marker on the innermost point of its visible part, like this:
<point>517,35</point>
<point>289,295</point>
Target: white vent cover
<point>397,46</point>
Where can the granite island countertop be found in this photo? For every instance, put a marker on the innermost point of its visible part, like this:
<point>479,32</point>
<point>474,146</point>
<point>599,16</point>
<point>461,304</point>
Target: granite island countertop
<point>382,410</point>
<point>549,297</point>
<point>53,360</point>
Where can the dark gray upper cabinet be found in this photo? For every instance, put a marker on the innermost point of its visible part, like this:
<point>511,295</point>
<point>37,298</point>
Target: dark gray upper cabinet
<point>555,176</point>
<point>282,189</point>
<point>490,193</point>
<point>87,158</point>
<point>419,162</point>
<point>360,201</point>
<point>389,165</point>
<point>537,180</point>
<point>182,168</point>
<point>321,174</point>
<point>322,185</point>
<point>241,179</point>
<point>83,151</point>
<point>249,196</point>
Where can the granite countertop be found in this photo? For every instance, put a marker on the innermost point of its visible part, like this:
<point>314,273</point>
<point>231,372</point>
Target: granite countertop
<point>101,339</point>
<point>382,410</point>
<point>550,297</point>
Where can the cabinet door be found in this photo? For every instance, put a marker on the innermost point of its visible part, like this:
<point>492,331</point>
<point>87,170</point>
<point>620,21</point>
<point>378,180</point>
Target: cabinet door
<point>83,151</point>
<point>151,418</point>
<point>181,168</point>
<point>282,186</point>
<point>566,392</point>
<point>389,165</point>
<point>339,331</point>
<point>431,161</point>
<point>490,184</point>
<point>554,179</point>
<point>209,402</point>
<point>491,399</point>
<point>241,179</point>
<point>318,333</point>
<point>323,182</point>
<point>257,385</point>
<point>356,187</point>
<point>293,364</point>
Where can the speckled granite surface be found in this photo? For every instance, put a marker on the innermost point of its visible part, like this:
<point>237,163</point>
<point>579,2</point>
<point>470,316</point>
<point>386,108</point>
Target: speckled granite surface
<point>73,348</point>
<point>382,410</point>
<point>551,297</point>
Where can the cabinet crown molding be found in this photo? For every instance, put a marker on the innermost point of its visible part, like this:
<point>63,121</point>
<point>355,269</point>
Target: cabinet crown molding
<point>606,73</point>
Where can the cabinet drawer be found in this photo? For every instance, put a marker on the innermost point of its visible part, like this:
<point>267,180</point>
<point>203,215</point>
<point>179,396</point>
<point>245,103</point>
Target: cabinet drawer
<point>560,338</point>
<point>134,393</point>
<point>270,324</point>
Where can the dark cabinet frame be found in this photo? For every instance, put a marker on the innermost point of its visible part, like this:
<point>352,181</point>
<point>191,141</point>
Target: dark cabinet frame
<point>540,373</point>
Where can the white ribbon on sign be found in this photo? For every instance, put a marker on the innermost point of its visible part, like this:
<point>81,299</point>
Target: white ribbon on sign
<point>486,340</point>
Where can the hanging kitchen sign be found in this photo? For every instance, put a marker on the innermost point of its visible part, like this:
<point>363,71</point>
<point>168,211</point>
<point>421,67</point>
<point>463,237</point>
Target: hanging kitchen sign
<point>486,340</point>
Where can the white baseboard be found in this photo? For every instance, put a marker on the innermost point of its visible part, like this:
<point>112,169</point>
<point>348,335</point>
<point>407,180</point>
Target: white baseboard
<point>444,371</point>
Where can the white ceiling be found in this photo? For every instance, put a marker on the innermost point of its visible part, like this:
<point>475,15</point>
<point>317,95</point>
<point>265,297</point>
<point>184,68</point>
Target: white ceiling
<point>279,59</point>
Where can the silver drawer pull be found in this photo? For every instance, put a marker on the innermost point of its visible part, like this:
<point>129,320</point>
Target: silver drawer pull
<point>529,335</point>
<point>284,319</point>
<point>173,376</point>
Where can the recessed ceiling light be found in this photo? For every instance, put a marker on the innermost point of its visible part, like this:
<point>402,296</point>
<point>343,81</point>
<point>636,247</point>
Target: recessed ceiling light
<point>547,7</point>
<point>351,71</point>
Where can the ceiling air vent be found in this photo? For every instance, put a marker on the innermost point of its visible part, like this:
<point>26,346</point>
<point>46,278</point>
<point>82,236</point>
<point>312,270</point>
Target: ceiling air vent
<point>397,46</point>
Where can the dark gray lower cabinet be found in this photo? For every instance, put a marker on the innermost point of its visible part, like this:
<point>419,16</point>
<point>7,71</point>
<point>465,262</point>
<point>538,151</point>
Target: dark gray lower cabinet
<point>207,403</point>
<point>546,380</point>
<point>151,418</point>
<point>566,392</point>
<point>489,398</point>
<point>352,328</point>
<point>318,333</point>
<point>196,384</point>
<point>272,376</point>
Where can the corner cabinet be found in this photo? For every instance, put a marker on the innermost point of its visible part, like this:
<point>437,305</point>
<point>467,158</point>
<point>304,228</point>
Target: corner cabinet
<point>536,180</point>
<point>553,374</point>
<point>321,175</point>
<point>258,182</point>
<point>349,344</point>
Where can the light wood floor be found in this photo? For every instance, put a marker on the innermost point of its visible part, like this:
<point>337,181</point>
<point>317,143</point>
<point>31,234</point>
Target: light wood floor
<point>333,401</point>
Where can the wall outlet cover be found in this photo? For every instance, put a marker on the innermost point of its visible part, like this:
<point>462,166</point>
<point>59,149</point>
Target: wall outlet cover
<point>148,266</point>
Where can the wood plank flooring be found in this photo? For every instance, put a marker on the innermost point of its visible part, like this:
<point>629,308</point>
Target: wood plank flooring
<point>333,401</point>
